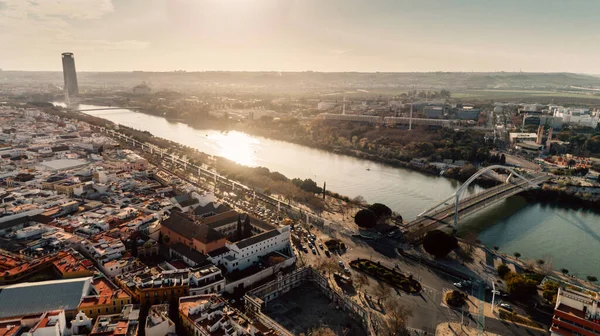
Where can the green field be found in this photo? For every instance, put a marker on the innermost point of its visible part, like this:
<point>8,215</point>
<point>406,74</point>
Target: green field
<point>529,95</point>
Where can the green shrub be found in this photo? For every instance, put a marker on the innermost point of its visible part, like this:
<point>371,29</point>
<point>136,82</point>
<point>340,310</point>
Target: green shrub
<point>456,299</point>
<point>503,270</point>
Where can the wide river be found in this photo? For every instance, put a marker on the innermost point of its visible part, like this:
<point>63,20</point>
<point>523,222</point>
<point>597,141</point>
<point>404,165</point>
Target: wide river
<point>570,239</point>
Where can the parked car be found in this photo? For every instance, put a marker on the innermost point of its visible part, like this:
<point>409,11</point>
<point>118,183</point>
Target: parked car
<point>327,253</point>
<point>463,284</point>
<point>341,263</point>
<point>506,306</point>
<point>346,270</point>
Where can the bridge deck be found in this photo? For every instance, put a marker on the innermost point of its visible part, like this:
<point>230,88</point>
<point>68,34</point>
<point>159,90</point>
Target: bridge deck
<point>444,216</point>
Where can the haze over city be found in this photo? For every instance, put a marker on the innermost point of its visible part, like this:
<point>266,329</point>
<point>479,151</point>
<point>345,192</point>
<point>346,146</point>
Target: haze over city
<point>299,167</point>
<point>289,35</point>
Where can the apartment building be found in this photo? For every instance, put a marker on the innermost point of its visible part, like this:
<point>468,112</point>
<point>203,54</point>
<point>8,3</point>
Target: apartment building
<point>124,324</point>
<point>207,315</point>
<point>576,312</point>
<point>158,322</point>
<point>152,286</point>
<point>104,298</point>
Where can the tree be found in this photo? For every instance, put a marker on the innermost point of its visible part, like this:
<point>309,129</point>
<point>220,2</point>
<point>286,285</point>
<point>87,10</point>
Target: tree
<point>359,200</point>
<point>439,243</point>
<point>240,236</point>
<point>540,262</point>
<point>397,316</point>
<point>365,218</point>
<point>380,210</point>
<point>571,163</point>
<point>322,331</point>
<point>592,278</point>
<point>445,94</point>
<point>503,270</point>
<point>549,291</point>
<point>517,255</point>
<point>502,159</point>
<point>496,248</point>
<point>456,299</point>
<point>519,286</point>
<point>467,171</point>
<point>564,271</point>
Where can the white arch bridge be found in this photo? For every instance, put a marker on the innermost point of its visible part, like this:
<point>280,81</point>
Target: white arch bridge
<point>448,211</point>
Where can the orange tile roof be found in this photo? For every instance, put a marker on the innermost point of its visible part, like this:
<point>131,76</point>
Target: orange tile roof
<point>9,328</point>
<point>121,328</point>
<point>70,264</point>
<point>28,266</point>
<point>7,262</point>
<point>107,292</point>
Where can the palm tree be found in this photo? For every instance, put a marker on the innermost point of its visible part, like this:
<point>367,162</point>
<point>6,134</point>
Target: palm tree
<point>517,255</point>
<point>496,248</point>
<point>564,271</point>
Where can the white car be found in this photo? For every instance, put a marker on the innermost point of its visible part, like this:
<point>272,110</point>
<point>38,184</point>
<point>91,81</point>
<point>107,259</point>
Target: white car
<point>506,306</point>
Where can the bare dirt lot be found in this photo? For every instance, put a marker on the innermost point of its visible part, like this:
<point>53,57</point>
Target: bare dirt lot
<point>305,308</point>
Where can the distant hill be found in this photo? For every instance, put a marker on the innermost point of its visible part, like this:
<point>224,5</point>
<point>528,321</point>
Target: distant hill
<point>311,81</point>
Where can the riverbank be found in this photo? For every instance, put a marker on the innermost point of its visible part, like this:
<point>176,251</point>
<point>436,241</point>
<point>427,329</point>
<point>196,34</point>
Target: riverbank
<point>374,151</point>
<point>405,191</point>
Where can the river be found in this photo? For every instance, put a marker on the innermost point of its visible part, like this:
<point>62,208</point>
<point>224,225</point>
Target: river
<point>571,239</point>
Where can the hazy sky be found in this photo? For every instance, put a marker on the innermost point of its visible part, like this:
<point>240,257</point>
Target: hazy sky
<point>298,35</point>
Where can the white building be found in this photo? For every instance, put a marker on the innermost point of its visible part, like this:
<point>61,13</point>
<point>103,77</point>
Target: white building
<point>206,280</point>
<point>105,249</point>
<point>248,251</point>
<point>121,266</point>
<point>50,323</point>
<point>81,324</point>
<point>522,137</point>
<point>31,231</point>
<point>576,312</point>
<point>577,116</point>
<point>158,322</point>
<point>206,315</point>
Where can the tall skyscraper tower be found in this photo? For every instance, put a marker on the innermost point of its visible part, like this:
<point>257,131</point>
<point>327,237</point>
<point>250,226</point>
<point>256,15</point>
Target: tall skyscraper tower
<point>68,62</point>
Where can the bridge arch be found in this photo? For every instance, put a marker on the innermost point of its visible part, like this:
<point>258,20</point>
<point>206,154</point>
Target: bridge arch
<point>458,193</point>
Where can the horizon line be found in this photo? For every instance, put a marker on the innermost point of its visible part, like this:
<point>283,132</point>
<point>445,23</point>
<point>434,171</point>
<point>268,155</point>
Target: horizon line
<point>312,71</point>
